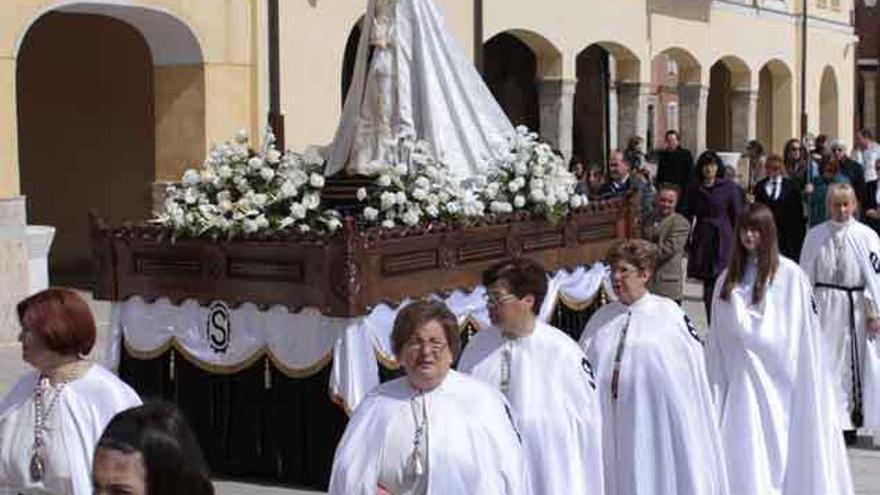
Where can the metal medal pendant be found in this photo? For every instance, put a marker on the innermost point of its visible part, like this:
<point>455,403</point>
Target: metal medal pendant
<point>36,468</point>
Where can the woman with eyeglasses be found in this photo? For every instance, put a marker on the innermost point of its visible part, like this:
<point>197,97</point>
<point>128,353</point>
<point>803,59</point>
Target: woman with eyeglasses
<point>771,385</point>
<point>660,433</point>
<point>434,430</point>
<point>546,378</point>
<point>799,166</point>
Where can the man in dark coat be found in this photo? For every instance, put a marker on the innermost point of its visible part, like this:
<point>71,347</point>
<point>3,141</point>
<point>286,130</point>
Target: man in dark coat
<point>852,169</point>
<point>784,199</point>
<point>675,165</point>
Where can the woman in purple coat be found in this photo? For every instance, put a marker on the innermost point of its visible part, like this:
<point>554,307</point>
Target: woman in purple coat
<point>713,205</point>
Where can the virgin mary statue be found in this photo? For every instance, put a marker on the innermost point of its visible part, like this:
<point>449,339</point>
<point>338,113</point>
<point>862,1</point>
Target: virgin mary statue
<point>412,80</point>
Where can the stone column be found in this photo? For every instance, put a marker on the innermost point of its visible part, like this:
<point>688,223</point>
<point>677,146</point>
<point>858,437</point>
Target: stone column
<point>556,102</point>
<point>870,105</point>
<point>632,112</point>
<point>13,264</point>
<point>613,112</point>
<point>743,117</point>
<point>693,108</point>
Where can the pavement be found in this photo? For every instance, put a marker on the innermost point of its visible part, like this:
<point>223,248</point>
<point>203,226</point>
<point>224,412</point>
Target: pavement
<point>864,457</point>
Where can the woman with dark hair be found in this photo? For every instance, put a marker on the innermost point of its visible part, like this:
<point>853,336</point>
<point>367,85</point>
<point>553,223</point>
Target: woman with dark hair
<point>799,165</point>
<point>772,392</point>
<point>713,204</point>
<point>434,430</point>
<point>150,450</point>
<point>51,419</point>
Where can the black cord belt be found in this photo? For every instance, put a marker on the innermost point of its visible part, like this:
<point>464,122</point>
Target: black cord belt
<point>857,417</point>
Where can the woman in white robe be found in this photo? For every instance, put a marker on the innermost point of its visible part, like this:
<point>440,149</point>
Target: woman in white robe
<point>51,420</point>
<point>418,84</point>
<point>770,384</point>
<point>660,433</point>
<point>842,258</point>
<point>434,431</point>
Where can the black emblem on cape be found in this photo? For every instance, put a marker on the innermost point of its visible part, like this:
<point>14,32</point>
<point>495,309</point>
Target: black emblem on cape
<point>218,330</point>
<point>875,262</point>
<point>692,329</point>
<point>814,305</point>
<point>585,364</point>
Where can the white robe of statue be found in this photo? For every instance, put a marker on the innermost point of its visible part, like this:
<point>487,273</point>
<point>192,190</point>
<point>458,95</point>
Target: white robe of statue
<point>418,84</point>
<point>83,409</point>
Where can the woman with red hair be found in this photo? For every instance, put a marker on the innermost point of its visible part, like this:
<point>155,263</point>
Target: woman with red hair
<point>52,419</point>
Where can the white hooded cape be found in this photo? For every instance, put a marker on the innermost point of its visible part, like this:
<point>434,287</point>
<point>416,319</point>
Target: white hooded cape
<point>865,245</point>
<point>661,435</point>
<point>418,84</point>
<point>473,446</point>
<point>773,391</point>
<point>84,408</point>
<point>555,404</point>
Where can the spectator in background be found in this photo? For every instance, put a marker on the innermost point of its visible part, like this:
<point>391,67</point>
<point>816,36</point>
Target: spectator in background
<point>714,203</point>
<point>867,153</point>
<point>755,156</point>
<point>853,171</point>
<point>782,196</point>
<point>818,189</point>
<point>821,148</point>
<point>872,201</point>
<point>150,450</point>
<point>595,179</point>
<point>669,231</point>
<point>675,165</point>
<point>621,182</point>
<point>799,165</point>
<point>633,152</point>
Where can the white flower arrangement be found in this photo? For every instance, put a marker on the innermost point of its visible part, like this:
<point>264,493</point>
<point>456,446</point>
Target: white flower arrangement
<point>412,186</point>
<point>531,177</point>
<point>240,193</point>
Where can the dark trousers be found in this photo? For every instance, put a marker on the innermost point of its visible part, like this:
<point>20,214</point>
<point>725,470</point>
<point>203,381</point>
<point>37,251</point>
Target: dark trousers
<point>708,290</point>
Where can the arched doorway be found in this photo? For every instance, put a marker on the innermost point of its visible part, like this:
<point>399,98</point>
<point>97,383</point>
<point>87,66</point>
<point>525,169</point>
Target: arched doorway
<point>775,123</point>
<point>729,123</point>
<point>828,104</point>
<point>110,102</point>
<point>510,69</point>
<point>592,106</point>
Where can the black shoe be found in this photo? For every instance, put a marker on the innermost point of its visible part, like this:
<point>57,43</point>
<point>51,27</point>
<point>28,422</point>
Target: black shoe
<point>850,437</point>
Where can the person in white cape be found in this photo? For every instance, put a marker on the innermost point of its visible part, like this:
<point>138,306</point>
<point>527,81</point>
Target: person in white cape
<point>51,420</point>
<point>418,84</point>
<point>770,384</point>
<point>546,378</point>
<point>842,258</point>
<point>660,432</point>
<point>433,431</point>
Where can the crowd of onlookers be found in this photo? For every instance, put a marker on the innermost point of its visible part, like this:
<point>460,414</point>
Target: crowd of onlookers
<point>689,206</point>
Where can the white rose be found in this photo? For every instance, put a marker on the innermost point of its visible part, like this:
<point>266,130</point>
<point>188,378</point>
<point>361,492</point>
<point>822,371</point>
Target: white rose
<point>273,156</point>
<point>312,201</point>
<point>513,186</point>
<point>387,223</point>
<point>241,136</point>
<point>267,173</point>
<point>492,190</point>
<point>190,196</point>
<point>419,194</point>
<point>371,214</point>
<point>423,183</point>
<point>432,210</point>
<point>536,184</point>
<point>304,228</point>
<point>333,224</point>
<point>519,201</point>
<point>297,211</point>
<point>401,198</point>
<point>249,226</point>
<point>255,163</point>
<point>537,195</point>
<point>384,180</point>
<point>551,200</point>
<point>288,189</point>
<point>225,206</point>
<point>316,180</point>
<point>453,207</point>
<point>362,194</point>
<point>225,171</point>
<point>410,217</point>
<point>496,207</point>
<point>262,221</point>
<point>191,177</point>
<point>260,199</point>
<point>575,201</point>
<point>387,200</point>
